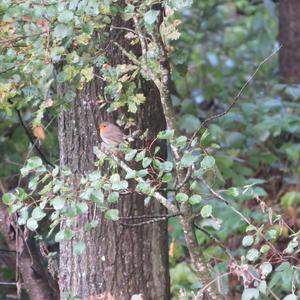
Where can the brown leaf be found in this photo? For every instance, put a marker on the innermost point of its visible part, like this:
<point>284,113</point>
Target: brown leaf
<point>171,249</point>
<point>39,133</point>
<point>50,102</point>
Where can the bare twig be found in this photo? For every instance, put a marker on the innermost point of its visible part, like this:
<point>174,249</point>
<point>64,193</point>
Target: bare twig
<point>8,283</point>
<point>154,219</point>
<point>236,98</point>
<point>149,217</point>
<point>218,196</point>
<point>217,241</point>
<point>200,293</point>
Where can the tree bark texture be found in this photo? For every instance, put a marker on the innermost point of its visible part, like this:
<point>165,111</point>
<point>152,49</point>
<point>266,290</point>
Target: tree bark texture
<point>289,36</point>
<point>34,278</point>
<point>119,261</point>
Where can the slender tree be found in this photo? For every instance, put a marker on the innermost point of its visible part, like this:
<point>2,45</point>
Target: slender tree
<point>289,30</point>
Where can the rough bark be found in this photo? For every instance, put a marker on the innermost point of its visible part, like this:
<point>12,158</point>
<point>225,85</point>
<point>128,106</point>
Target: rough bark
<point>289,36</point>
<point>35,280</point>
<point>118,261</point>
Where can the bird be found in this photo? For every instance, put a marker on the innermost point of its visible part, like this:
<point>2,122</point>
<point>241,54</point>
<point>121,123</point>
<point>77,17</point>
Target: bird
<point>111,134</point>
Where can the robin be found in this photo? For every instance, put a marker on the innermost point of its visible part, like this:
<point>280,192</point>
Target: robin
<point>111,134</point>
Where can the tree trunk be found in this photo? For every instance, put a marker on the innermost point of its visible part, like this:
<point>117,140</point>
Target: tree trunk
<point>289,36</point>
<point>119,261</point>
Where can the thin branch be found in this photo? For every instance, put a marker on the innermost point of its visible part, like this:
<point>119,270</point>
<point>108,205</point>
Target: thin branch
<point>149,216</point>
<point>186,178</point>
<point>8,283</point>
<point>123,28</point>
<point>236,98</point>
<point>5,250</point>
<point>217,241</point>
<point>218,196</point>
<point>21,37</point>
<point>158,196</point>
<point>148,222</point>
<point>211,282</point>
<point>32,141</point>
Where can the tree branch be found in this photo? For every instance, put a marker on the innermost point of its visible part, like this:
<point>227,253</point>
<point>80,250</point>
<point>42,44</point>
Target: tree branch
<point>158,196</point>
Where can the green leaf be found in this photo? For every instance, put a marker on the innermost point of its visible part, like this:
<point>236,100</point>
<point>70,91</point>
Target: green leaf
<point>289,199</point>
<point>38,214</point>
<point>263,287</point>
<point>8,198</point>
<point>65,16</point>
<point>58,203</point>
<point>113,197</point>
<point>61,31</point>
<point>247,240</point>
<point>253,254</point>
<point>165,135</point>
<point>181,197</point>
<point>188,160</point>
<point>179,4</point>
<point>88,73</point>
<point>59,236</point>
<point>94,176</point>
<point>167,166</point>
<point>142,173</point>
<point>208,162</point>
<point>266,268</point>
<point>79,248</point>
<point>150,16</point>
<point>249,294</point>
<point>57,186</point>
<point>130,155</point>
<point>97,196</point>
<point>122,185</point>
<point>250,228</point>
<point>144,187</point>
<point>131,174</point>
<point>34,162</point>
<point>264,248</point>
<point>23,216</point>
<point>271,234</point>
<point>68,234</point>
<point>32,224</point>
<point>189,123</point>
<point>93,224</point>
<point>140,155</point>
<point>146,162</point>
<point>15,207</point>
<point>233,191</point>
<point>181,142</point>
<point>283,266</point>
<point>33,183</point>
<point>290,297</point>
<point>147,200</point>
<point>82,207</point>
<point>292,245</point>
<point>195,199</point>
<point>206,211</point>
<point>115,178</point>
<point>205,138</point>
<point>21,194</point>
<point>112,214</point>
<point>168,177</point>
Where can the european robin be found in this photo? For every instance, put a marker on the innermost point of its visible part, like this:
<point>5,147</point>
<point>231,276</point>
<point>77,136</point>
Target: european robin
<point>111,134</point>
